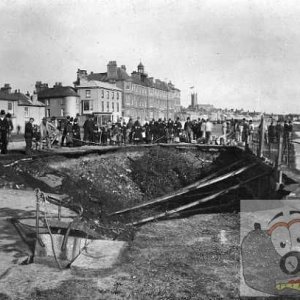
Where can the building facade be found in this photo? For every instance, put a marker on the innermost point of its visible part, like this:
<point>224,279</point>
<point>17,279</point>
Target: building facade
<point>21,106</point>
<point>101,99</point>
<point>60,101</point>
<point>142,96</point>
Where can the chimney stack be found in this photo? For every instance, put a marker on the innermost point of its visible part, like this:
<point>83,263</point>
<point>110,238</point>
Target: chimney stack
<point>112,71</point>
<point>39,86</point>
<point>57,84</point>
<point>6,88</point>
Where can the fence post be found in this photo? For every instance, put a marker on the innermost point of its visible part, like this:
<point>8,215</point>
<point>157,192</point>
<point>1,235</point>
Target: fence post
<point>279,161</point>
<point>261,137</point>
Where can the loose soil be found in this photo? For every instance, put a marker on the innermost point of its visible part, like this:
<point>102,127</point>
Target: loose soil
<point>186,258</point>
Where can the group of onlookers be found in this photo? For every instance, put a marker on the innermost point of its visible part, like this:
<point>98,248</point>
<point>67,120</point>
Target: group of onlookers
<point>280,129</point>
<point>68,132</point>
<point>6,127</point>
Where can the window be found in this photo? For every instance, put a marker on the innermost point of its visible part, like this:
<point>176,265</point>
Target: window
<point>47,102</point>
<point>113,106</point>
<point>10,106</point>
<point>102,105</point>
<point>107,95</point>
<point>107,106</point>
<point>113,95</point>
<point>118,96</point>
<point>118,107</point>
<point>61,101</point>
<point>102,93</point>
<point>88,94</point>
<point>62,112</point>
<point>87,105</point>
<point>48,112</point>
<point>26,112</point>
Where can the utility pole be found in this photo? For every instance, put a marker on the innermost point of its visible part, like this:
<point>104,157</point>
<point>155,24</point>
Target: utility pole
<point>168,103</point>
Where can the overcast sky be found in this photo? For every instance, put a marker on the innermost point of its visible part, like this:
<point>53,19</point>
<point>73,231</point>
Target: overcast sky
<point>237,53</point>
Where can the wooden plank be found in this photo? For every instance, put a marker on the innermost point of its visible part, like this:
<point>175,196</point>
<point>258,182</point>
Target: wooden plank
<point>195,203</point>
<point>197,185</point>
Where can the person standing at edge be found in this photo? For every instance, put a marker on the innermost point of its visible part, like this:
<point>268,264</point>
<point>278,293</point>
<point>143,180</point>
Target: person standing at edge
<point>208,130</point>
<point>4,128</point>
<point>10,127</point>
<point>28,135</point>
<point>188,129</point>
<point>64,130</point>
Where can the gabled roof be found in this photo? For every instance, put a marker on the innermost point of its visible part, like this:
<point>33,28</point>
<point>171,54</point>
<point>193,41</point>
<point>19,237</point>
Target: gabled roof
<point>22,99</point>
<point>57,92</point>
<point>27,102</point>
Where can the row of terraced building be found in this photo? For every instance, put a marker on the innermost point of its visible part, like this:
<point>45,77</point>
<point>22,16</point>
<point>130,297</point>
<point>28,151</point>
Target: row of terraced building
<point>107,96</point>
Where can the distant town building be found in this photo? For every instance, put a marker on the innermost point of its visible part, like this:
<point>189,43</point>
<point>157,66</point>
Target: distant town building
<point>194,99</point>
<point>21,106</point>
<point>60,101</point>
<point>102,99</point>
<point>142,96</point>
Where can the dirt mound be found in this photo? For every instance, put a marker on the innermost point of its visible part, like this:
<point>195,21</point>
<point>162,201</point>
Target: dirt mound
<point>161,171</point>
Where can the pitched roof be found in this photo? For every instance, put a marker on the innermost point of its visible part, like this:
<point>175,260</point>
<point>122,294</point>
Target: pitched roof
<point>57,92</point>
<point>11,96</point>
<point>22,99</point>
<point>137,78</point>
<point>121,75</point>
<point>97,76</point>
<point>97,83</point>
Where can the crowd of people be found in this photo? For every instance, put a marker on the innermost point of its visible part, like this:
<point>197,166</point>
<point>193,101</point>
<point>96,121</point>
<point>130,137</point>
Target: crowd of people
<point>68,132</point>
<point>280,129</point>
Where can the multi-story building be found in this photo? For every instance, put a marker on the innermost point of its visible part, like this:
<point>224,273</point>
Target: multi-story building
<point>101,99</point>
<point>60,101</point>
<point>143,96</point>
<point>21,106</point>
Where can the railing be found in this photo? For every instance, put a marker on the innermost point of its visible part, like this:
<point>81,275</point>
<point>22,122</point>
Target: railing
<point>271,149</point>
<point>279,149</point>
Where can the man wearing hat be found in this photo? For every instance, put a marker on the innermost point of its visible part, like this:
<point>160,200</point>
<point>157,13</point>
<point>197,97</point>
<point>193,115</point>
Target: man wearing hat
<point>28,136</point>
<point>4,128</point>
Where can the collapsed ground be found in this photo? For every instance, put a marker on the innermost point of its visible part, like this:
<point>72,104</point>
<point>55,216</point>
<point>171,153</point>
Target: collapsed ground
<point>110,182</point>
<point>185,258</point>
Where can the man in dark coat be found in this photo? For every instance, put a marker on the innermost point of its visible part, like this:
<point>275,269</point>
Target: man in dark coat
<point>10,127</point>
<point>69,133</point>
<point>28,136</point>
<point>4,128</point>
<point>188,129</point>
<point>76,134</point>
<point>137,131</point>
<point>88,127</point>
<point>63,128</point>
<point>177,129</point>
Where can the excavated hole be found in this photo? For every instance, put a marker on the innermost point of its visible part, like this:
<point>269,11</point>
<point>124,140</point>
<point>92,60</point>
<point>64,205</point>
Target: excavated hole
<point>109,182</point>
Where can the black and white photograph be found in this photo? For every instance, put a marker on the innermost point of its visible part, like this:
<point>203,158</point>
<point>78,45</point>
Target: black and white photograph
<point>149,149</point>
